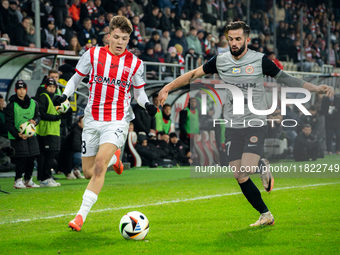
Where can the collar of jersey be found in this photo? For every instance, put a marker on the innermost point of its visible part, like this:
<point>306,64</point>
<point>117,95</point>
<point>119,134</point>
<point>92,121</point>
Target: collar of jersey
<point>113,55</point>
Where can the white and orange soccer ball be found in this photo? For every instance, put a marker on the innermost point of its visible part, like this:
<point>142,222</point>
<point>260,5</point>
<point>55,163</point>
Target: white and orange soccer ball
<point>63,107</point>
<point>27,129</point>
<point>134,225</point>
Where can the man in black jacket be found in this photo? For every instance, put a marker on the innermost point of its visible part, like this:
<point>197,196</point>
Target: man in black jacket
<point>21,109</point>
<point>149,154</point>
<point>48,132</point>
<point>19,37</point>
<point>179,150</point>
<point>143,122</point>
<point>70,152</point>
<point>306,145</point>
<point>330,107</point>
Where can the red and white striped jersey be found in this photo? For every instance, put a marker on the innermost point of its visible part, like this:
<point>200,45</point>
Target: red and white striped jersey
<point>110,80</point>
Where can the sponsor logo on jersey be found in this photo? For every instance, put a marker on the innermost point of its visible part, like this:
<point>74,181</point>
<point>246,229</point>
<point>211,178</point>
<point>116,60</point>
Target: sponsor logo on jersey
<point>253,139</point>
<point>236,70</point>
<point>113,81</point>
<point>113,65</point>
<point>126,69</point>
<point>249,69</point>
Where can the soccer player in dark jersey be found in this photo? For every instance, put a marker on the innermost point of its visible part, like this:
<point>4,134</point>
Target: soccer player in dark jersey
<point>245,69</point>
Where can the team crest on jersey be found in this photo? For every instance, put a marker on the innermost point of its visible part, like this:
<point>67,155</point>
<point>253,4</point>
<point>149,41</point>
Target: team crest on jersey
<point>236,70</point>
<point>253,139</point>
<point>249,69</point>
<point>126,69</point>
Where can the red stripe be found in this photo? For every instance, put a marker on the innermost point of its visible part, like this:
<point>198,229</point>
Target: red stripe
<point>121,94</point>
<point>80,73</point>
<point>99,84</point>
<point>138,87</point>
<point>110,91</point>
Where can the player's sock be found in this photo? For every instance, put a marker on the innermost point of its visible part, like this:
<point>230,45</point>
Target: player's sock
<point>252,193</point>
<point>113,160</point>
<point>89,199</point>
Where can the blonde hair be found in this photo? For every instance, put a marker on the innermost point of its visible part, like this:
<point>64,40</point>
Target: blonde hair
<point>122,23</point>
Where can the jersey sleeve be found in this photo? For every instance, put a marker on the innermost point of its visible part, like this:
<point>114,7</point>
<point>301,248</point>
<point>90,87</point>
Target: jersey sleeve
<point>137,78</point>
<point>210,66</point>
<point>84,64</point>
<point>269,68</point>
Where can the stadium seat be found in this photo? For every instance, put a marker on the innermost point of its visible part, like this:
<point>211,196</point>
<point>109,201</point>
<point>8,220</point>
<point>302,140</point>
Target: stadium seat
<point>274,147</point>
<point>207,148</point>
<point>132,140</point>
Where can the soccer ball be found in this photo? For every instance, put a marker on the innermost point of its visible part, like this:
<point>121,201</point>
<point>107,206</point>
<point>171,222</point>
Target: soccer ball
<point>63,107</point>
<point>27,129</point>
<point>134,225</point>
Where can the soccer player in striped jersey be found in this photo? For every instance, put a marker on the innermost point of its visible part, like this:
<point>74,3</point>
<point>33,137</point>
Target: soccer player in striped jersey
<point>112,71</point>
<point>244,68</point>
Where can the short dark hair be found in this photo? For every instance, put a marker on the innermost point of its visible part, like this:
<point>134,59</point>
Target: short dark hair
<point>86,20</point>
<point>52,71</point>
<point>121,22</point>
<point>307,125</point>
<point>312,108</point>
<point>239,25</point>
<point>192,28</point>
<point>166,105</point>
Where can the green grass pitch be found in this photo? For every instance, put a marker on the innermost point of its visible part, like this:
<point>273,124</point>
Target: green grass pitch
<point>187,215</point>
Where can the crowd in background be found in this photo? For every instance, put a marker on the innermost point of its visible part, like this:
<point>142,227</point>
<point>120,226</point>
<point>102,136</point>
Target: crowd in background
<point>159,33</point>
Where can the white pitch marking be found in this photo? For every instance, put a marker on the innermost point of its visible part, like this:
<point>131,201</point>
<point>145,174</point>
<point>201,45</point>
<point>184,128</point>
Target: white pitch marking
<point>162,203</point>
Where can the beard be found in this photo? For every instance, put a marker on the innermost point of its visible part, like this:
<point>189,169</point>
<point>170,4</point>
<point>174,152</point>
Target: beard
<point>238,52</point>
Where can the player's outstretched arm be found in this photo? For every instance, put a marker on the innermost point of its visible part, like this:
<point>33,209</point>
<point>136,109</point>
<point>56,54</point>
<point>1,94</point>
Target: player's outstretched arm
<point>143,101</point>
<point>321,89</point>
<point>71,86</point>
<point>180,82</point>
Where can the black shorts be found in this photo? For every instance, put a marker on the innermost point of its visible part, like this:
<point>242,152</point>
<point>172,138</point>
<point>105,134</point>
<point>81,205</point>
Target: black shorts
<point>241,140</point>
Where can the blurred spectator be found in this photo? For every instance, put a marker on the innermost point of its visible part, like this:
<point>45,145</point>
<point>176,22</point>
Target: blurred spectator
<point>189,121</point>
<point>197,6</point>
<point>167,126</point>
<point>49,35</point>
<point>100,9</point>
<point>291,130</point>
<point>209,48</point>
<point>152,21</point>
<point>174,21</point>
<point>60,11</point>
<point>99,23</point>
<point>312,120</point>
<point>171,57</point>
<point>223,47</point>
<point>148,154</point>
<point>159,115</point>
<point>240,10</point>
<point>181,61</point>
<point>48,132</point>
<point>87,32</point>
<point>3,130</point>
<point>279,11</point>
<point>147,55</point>
<point>113,6</point>
<point>14,14</point>
<point>187,10</point>
<point>255,45</point>
<point>179,150</point>
<point>255,23</point>
<point>31,34</point>
<point>105,40</point>
<point>306,145</point>
<point>193,41</point>
<point>74,46</point>
<point>330,108</point>
<point>45,10</point>
<point>67,31</point>
<point>87,46</point>
<point>66,71</point>
<point>231,11</point>
<point>178,38</point>
<point>88,10</point>
<point>197,21</point>
<point>158,53</point>
<point>164,19</point>
<point>143,122</point>
<point>272,57</point>
<point>22,109</point>
<point>153,40</point>
<point>136,37</point>
<point>20,36</point>
<point>70,152</point>
<point>74,12</point>
<point>5,40</point>
<point>5,22</point>
<point>275,129</point>
<point>134,8</point>
<point>165,39</point>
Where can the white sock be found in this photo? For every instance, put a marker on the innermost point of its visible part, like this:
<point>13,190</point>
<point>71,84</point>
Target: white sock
<point>89,199</point>
<point>113,160</point>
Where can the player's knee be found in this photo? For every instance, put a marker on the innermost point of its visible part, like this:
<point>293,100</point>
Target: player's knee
<point>99,168</point>
<point>87,175</point>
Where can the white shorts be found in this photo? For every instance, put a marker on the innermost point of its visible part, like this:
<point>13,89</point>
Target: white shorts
<point>96,133</point>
